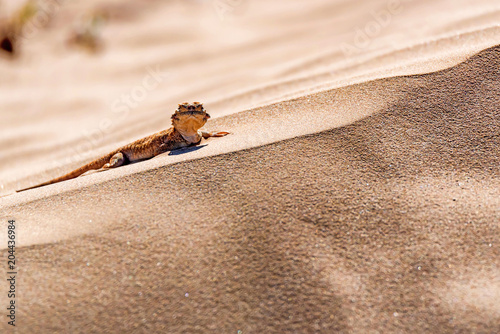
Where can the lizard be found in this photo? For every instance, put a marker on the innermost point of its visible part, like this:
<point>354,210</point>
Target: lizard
<point>186,121</point>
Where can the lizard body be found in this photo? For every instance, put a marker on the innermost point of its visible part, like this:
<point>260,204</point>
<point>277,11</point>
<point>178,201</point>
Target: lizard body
<point>186,121</point>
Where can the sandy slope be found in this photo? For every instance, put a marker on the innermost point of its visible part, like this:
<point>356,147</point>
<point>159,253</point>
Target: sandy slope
<point>68,106</point>
<point>378,212</point>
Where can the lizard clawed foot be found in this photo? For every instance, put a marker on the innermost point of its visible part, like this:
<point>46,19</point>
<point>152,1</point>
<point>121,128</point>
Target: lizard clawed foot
<point>216,134</point>
<point>220,134</point>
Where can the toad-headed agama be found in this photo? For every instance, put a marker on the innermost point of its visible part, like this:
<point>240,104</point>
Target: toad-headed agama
<point>186,121</point>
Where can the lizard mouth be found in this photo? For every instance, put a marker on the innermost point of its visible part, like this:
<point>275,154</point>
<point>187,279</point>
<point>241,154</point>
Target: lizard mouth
<point>195,114</point>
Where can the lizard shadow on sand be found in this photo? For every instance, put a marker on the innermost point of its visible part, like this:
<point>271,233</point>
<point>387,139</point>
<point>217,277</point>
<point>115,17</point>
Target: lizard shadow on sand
<point>186,150</point>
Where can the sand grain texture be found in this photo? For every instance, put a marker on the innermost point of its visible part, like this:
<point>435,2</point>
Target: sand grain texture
<point>366,200</point>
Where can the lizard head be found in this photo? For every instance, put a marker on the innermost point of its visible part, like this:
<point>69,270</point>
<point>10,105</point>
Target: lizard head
<point>189,117</point>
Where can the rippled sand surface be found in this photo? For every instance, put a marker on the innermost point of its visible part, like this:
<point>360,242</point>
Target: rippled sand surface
<point>358,192</point>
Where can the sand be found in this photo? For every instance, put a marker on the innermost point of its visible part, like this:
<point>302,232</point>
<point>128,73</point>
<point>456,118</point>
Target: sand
<point>358,192</point>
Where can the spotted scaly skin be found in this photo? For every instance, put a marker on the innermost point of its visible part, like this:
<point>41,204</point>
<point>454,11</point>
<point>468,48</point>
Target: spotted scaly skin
<point>186,121</point>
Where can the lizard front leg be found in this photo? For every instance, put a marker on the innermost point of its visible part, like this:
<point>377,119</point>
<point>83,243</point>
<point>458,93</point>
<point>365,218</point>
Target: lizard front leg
<point>212,134</point>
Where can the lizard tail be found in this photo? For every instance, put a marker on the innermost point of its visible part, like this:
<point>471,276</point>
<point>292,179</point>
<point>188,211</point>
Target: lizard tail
<point>96,164</point>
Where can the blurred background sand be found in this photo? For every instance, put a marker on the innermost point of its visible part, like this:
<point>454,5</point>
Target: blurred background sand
<point>373,207</point>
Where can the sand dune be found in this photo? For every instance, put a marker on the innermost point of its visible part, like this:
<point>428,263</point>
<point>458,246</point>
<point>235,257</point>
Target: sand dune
<point>355,193</point>
<point>244,61</point>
